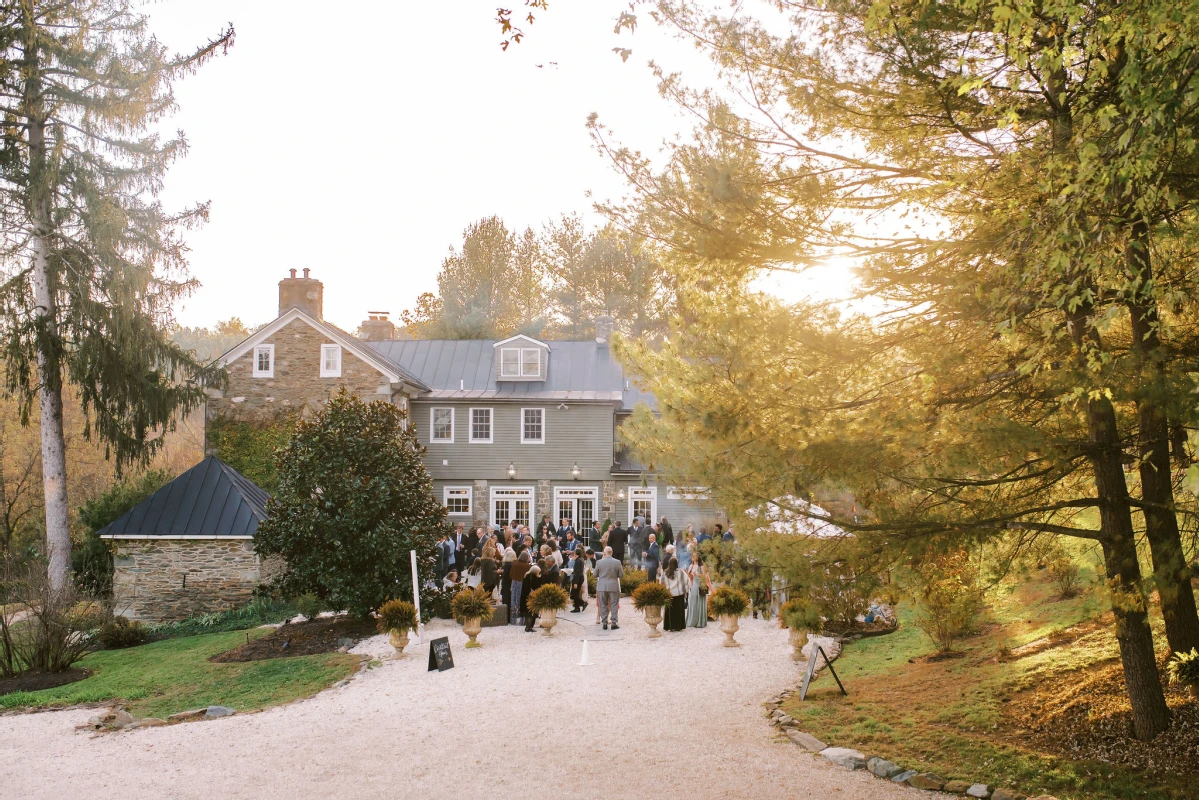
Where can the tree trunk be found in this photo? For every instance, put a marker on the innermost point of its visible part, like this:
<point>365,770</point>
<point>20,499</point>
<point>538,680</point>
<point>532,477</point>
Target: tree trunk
<point>1170,571</point>
<point>54,461</point>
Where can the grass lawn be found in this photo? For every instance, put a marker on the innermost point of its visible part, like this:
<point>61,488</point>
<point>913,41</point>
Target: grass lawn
<point>956,717</point>
<point>175,675</point>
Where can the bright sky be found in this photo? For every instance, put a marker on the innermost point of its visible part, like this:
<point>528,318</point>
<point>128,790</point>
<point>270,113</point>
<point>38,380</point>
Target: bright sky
<point>359,139</point>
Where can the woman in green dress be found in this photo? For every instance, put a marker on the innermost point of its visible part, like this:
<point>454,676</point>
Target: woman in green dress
<point>701,584</point>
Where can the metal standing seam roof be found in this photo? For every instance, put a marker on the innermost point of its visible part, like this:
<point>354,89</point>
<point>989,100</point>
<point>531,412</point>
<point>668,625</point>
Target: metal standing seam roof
<point>211,499</point>
<point>465,369</point>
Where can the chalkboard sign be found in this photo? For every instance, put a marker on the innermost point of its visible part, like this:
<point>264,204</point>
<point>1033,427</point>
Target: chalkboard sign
<point>440,657</point>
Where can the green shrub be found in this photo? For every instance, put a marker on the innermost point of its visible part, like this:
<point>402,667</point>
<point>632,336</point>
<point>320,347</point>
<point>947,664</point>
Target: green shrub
<point>1184,668</point>
<point>119,632</point>
<point>471,604</point>
<point>259,611</point>
<point>56,634</point>
<point>800,615</point>
<point>91,560</point>
<point>727,600</point>
<point>648,595</point>
<point>309,605</point>
<point>592,584</point>
<point>1065,572</point>
<point>252,448</point>
<point>948,597</point>
<point>632,579</point>
<point>550,597</point>
<point>397,615</point>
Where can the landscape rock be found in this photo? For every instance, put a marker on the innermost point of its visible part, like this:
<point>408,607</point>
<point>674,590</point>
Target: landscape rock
<point>117,718</point>
<point>343,649</point>
<point>904,776</point>
<point>1043,797</point>
<point>1007,794</point>
<point>776,714</point>
<point>346,642</point>
<point>214,712</point>
<point>845,757</point>
<point>784,720</point>
<point>956,787</point>
<point>979,790</point>
<point>883,768</point>
<point>188,716</point>
<point>807,741</point>
<point>148,722</point>
<point>927,780</point>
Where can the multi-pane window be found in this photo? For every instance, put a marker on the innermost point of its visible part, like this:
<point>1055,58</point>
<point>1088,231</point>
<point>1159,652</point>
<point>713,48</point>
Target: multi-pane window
<point>530,362</point>
<point>520,362</point>
<point>330,361</point>
<point>532,429</point>
<point>643,502</point>
<point>457,500</point>
<point>442,425</point>
<point>264,361</point>
<point>510,362</point>
<point>480,424</point>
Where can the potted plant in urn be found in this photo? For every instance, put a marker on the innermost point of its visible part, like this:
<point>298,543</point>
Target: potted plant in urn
<point>471,607</point>
<point>1184,668</point>
<point>727,604</point>
<point>801,617</point>
<point>650,598</point>
<point>546,601</point>
<point>396,618</point>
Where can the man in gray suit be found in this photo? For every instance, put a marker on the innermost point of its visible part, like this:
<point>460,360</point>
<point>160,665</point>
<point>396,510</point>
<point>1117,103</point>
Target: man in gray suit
<point>638,542</point>
<point>608,573</point>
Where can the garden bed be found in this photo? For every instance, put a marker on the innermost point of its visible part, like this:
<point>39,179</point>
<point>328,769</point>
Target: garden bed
<point>33,681</point>
<point>313,637</point>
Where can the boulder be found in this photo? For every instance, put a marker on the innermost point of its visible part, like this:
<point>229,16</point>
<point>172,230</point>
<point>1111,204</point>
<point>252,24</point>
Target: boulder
<point>883,768</point>
<point>214,712</point>
<point>927,780</point>
<point>807,741</point>
<point>784,720</point>
<point>844,757</point>
<point>956,787</point>
<point>904,776</point>
<point>188,716</point>
<point>117,718</point>
<point>777,713</point>
<point>979,790</point>
<point>148,722</point>
<point>1007,794</point>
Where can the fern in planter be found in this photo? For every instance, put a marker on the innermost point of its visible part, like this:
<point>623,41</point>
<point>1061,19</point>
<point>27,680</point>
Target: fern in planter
<point>396,615</point>
<point>650,595</point>
<point>471,604</point>
<point>730,601</point>
<point>550,597</point>
<point>632,579</point>
<point>800,615</point>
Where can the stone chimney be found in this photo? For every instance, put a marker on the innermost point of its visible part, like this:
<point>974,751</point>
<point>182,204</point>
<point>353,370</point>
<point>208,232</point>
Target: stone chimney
<point>605,324</point>
<point>376,327</point>
<point>306,294</point>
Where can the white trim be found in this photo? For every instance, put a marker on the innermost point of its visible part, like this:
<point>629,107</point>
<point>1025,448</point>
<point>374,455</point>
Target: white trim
<point>523,440</point>
<point>688,493</point>
<point>513,493</point>
<point>432,416</point>
<point>536,352</point>
<point>445,500</point>
<point>515,374</point>
<point>168,536</point>
<point>644,493</point>
<point>470,423</point>
<point>326,372</point>
<point>521,336</point>
<point>255,372</point>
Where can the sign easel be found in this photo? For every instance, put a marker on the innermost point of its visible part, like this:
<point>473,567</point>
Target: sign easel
<point>810,672</point>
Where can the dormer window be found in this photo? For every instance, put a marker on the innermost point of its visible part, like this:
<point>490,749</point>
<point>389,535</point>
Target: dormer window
<point>520,362</point>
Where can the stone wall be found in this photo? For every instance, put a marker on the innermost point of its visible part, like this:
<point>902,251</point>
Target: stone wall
<point>297,386</point>
<point>173,579</point>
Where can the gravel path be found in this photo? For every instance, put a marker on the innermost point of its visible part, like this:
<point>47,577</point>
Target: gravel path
<point>675,717</point>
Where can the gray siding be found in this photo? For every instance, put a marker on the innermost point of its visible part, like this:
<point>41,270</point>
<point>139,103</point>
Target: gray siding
<point>581,433</point>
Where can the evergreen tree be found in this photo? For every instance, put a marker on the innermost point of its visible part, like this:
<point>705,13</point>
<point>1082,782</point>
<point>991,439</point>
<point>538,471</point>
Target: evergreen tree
<point>93,262</point>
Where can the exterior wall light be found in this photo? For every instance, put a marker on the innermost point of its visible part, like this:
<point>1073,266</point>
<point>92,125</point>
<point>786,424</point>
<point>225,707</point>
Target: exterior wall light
<point>574,471</point>
<point>620,495</point>
<point>511,470</point>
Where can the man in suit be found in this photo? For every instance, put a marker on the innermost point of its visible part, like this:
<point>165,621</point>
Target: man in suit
<point>618,539</point>
<point>638,539</point>
<point>564,529</point>
<point>473,542</point>
<point>704,536</point>
<point>461,551</point>
<point>544,529</point>
<point>443,558</point>
<point>652,558</point>
<point>667,532</point>
<point>596,535</point>
<point>728,535</point>
<point>608,573</point>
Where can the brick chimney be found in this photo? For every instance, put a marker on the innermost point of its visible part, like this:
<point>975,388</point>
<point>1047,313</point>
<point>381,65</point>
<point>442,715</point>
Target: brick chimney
<point>605,324</point>
<point>376,327</point>
<point>306,294</point>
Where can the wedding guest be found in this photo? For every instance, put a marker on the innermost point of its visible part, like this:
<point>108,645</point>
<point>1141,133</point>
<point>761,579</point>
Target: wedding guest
<point>677,582</point>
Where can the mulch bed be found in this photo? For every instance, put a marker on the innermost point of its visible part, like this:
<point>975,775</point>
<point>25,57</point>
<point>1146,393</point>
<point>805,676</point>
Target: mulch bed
<point>301,639</point>
<point>33,681</point>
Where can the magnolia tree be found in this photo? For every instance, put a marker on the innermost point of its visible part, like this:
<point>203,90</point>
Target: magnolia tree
<point>353,500</point>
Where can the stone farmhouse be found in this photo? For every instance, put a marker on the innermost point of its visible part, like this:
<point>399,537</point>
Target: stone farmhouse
<point>513,429</point>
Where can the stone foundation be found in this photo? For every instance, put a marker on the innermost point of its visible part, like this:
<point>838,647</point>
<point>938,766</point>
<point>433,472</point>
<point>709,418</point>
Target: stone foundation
<point>171,579</point>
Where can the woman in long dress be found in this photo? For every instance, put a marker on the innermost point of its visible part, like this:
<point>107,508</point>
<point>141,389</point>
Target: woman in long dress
<point>676,581</point>
<point>697,602</point>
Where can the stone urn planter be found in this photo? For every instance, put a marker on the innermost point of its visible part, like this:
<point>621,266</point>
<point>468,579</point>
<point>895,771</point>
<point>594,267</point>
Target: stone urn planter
<point>653,618</point>
<point>729,626</point>
<point>798,638</point>
<point>471,628</point>
<point>547,621</point>
<point>399,640</point>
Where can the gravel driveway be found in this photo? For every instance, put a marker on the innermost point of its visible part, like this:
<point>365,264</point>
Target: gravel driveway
<point>675,717</point>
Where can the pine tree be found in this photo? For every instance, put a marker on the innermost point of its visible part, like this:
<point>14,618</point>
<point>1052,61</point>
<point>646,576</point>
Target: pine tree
<point>93,262</point>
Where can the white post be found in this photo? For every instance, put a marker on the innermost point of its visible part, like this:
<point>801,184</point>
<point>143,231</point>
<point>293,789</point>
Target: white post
<point>416,597</point>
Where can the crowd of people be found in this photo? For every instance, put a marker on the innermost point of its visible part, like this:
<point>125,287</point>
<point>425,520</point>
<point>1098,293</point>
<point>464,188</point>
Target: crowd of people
<point>510,562</point>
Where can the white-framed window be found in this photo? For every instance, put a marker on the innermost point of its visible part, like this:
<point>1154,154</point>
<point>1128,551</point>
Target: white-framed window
<point>532,426</point>
<point>480,425</point>
<point>687,493</point>
<point>643,502</point>
<point>456,500</point>
<point>520,362</point>
<point>330,361</point>
<point>264,361</point>
<point>511,504</point>
<point>441,425</point>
